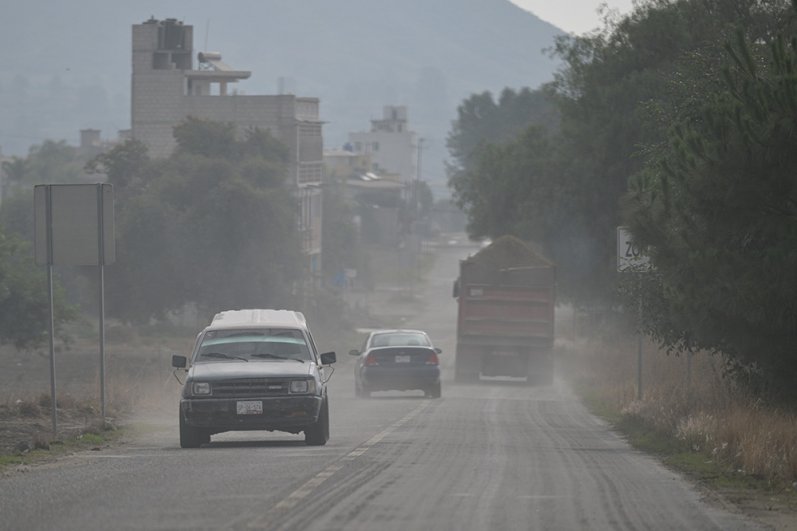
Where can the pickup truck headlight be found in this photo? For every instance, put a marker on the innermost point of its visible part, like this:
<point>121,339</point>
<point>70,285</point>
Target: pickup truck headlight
<point>302,386</point>
<point>200,388</point>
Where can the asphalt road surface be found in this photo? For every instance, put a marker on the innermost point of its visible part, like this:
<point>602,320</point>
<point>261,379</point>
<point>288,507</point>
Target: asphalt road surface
<point>487,456</point>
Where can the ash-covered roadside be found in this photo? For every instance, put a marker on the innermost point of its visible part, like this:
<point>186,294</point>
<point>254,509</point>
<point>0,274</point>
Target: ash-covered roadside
<point>27,425</point>
<point>138,377</point>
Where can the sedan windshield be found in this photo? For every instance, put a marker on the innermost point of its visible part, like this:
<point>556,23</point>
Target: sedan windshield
<point>274,344</point>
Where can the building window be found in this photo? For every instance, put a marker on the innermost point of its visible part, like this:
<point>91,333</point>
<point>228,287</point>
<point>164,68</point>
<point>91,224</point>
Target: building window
<point>310,172</point>
<point>376,146</point>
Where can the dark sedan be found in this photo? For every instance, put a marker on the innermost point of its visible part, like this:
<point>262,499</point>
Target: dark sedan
<point>397,360</point>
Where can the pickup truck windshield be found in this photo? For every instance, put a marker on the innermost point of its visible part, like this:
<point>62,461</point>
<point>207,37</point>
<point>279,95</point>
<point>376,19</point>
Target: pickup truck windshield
<point>270,345</point>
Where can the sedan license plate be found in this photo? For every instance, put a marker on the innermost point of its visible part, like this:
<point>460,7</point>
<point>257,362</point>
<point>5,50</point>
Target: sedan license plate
<point>403,359</point>
<point>249,407</point>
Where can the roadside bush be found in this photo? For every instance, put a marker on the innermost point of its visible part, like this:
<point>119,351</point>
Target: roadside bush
<point>692,402</point>
<point>28,409</point>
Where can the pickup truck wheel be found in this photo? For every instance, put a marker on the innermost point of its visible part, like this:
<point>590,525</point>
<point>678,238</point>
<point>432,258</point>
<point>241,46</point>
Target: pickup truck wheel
<point>191,437</point>
<point>318,433</point>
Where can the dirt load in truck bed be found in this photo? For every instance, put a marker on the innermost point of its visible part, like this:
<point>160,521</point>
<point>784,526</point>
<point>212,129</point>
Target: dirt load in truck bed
<point>507,252</point>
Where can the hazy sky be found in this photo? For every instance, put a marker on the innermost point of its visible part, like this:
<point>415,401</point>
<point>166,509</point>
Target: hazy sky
<point>574,16</point>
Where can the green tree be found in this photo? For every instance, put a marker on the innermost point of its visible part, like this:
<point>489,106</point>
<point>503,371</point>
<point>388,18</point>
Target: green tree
<point>481,119</point>
<point>49,163</point>
<point>617,95</point>
<point>718,206</point>
<point>53,163</point>
<point>15,171</point>
<point>206,137</point>
<point>213,224</point>
<point>124,165</point>
<point>24,303</point>
<point>505,181</point>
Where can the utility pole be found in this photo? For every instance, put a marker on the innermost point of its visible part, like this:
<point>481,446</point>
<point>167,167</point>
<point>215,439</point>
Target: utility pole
<point>414,236</point>
<point>417,180</point>
<point>420,158</point>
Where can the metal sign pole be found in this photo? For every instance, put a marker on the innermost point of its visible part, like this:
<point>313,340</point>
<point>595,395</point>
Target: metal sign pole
<point>48,198</point>
<point>631,258</point>
<point>639,354</point>
<point>52,351</point>
<point>101,262</point>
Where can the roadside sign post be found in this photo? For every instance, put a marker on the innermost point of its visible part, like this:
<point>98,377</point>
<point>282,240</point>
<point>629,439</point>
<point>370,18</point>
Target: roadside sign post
<point>49,244</point>
<point>630,258</point>
<point>73,225</point>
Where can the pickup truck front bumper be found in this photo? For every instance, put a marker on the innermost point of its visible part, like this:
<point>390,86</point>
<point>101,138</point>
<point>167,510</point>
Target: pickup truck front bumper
<point>289,413</point>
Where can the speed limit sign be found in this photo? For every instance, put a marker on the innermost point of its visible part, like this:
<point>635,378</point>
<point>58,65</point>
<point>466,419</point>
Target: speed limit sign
<point>630,258</point>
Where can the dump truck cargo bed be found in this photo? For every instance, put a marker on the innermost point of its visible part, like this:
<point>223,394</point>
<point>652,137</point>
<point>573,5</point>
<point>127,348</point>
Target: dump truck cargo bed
<point>505,323</point>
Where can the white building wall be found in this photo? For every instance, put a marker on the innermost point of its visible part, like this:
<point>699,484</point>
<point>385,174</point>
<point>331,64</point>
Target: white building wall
<point>392,147</point>
<point>391,152</point>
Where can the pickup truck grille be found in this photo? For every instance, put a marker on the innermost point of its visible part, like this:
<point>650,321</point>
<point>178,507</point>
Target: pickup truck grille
<point>250,388</point>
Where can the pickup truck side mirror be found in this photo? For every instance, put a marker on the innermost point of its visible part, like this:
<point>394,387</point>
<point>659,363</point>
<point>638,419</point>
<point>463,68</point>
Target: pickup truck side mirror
<point>328,358</point>
<point>354,352</point>
<point>179,362</point>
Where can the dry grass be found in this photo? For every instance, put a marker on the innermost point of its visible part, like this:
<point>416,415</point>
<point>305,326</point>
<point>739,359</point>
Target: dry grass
<point>691,401</point>
<point>139,381</point>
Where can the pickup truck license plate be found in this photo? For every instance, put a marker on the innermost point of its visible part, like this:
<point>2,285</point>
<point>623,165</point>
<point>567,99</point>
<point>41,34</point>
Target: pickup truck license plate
<point>403,359</point>
<point>249,407</point>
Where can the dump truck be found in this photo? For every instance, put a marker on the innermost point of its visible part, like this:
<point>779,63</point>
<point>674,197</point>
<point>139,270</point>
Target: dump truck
<point>505,322</point>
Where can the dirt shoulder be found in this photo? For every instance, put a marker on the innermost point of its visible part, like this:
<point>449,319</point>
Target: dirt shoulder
<point>26,435</point>
<point>773,510</point>
<point>773,505</point>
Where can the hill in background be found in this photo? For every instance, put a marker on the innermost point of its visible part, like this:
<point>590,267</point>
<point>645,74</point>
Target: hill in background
<point>67,64</point>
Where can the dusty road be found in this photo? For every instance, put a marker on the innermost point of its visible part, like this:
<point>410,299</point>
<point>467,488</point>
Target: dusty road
<point>498,456</point>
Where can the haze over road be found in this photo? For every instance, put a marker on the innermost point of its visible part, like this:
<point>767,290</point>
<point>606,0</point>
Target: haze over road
<point>486,456</point>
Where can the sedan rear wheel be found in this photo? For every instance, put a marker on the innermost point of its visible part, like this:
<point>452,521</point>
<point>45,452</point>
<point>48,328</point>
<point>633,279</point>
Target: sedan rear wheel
<point>435,391</point>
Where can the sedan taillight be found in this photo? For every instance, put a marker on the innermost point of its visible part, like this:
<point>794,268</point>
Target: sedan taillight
<point>432,359</point>
<point>370,360</point>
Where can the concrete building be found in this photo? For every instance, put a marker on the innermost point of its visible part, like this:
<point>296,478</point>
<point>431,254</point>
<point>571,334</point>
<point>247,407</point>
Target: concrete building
<point>392,147</point>
<point>166,89</point>
<point>376,199</point>
<point>342,164</point>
